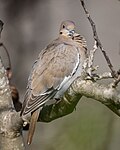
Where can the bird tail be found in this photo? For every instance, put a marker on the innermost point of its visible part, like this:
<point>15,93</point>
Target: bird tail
<point>33,122</point>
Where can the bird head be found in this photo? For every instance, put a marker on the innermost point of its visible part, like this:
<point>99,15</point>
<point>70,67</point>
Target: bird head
<point>67,28</point>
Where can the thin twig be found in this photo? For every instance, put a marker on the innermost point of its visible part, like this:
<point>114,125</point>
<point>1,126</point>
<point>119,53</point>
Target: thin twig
<point>4,47</point>
<point>91,56</point>
<point>117,80</point>
<point>99,44</point>
<point>89,66</point>
<point>1,26</point>
<point>105,75</point>
<point>8,69</point>
<point>8,56</point>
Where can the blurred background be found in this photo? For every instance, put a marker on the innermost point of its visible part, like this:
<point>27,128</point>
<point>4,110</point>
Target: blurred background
<point>28,27</point>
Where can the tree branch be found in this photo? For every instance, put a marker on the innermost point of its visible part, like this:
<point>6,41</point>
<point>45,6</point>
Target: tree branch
<point>8,57</point>
<point>117,80</point>
<point>96,38</point>
<point>10,121</point>
<point>104,94</point>
<point>1,26</point>
<point>64,107</point>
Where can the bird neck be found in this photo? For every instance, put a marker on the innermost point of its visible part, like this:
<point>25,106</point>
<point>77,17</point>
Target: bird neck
<point>63,37</point>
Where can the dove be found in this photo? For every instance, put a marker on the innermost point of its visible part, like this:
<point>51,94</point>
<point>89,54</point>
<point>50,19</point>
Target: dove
<point>56,67</point>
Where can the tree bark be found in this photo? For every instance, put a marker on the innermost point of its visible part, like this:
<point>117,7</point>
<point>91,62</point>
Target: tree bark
<point>10,121</point>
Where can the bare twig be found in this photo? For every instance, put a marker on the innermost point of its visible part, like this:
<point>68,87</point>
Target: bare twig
<point>1,26</point>
<point>95,76</point>
<point>8,56</point>
<point>115,83</point>
<point>90,60</point>
<point>9,72</point>
<point>116,80</point>
<point>105,75</point>
<point>96,38</point>
<point>92,52</point>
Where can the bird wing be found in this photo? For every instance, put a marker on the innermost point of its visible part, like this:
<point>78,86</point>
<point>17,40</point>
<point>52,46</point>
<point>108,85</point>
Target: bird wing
<point>55,63</point>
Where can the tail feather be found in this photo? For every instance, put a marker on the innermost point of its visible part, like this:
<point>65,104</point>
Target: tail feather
<point>33,122</point>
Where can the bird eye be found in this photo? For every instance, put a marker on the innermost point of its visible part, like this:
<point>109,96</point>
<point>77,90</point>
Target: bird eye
<point>60,32</point>
<point>63,26</point>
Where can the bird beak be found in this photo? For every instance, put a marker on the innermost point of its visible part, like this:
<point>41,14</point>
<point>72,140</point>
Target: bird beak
<point>71,32</point>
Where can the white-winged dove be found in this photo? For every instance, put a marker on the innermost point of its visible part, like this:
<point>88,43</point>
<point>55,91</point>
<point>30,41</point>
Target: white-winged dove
<point>57,66</point>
